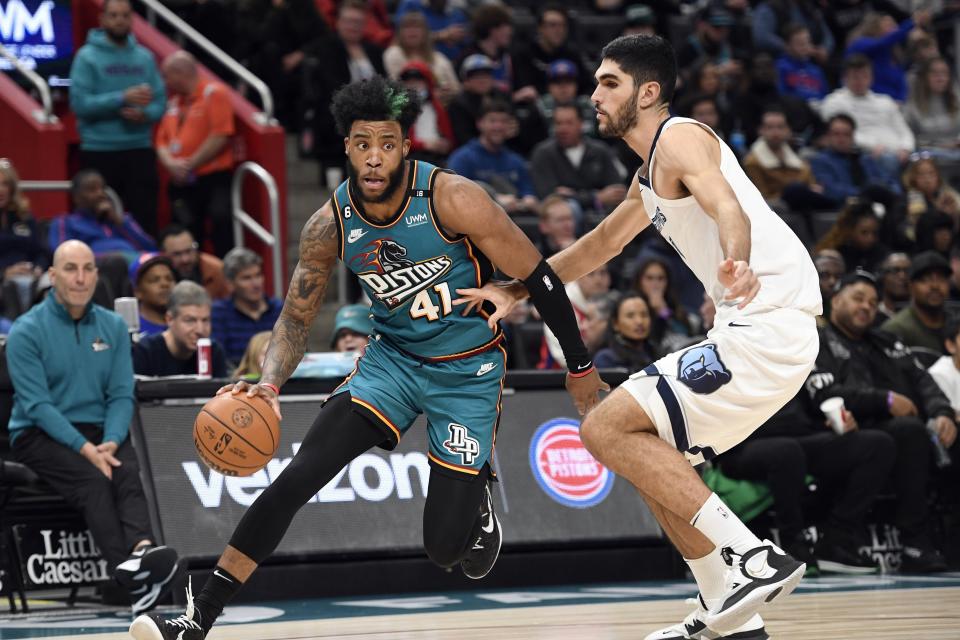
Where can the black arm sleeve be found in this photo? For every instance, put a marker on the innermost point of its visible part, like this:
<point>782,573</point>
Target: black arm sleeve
<point>550,299</point>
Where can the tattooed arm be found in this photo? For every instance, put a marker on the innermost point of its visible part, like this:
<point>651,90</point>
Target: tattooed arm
<point>319,248</point>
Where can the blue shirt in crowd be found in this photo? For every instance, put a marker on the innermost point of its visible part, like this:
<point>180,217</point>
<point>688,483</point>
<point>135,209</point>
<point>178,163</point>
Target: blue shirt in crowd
<point>100,235</point>
<point>801,78</point>
<point>889,76</point>
<point>233,328</point>
<point>476,162</point>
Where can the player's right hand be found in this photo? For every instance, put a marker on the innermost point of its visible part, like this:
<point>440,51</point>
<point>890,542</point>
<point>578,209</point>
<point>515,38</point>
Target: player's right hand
<point>585,390</point>
<point>503,296</point>
<point>253,390</point>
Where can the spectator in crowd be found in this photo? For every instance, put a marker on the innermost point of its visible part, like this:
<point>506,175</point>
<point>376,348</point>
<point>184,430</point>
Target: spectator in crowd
<point>96,222</point>
<point>672,323</point>
<point>251,364</point>
<point>844,171</point>
<point>377,26</point>
<point>894,286</point>
<point>628,343</point>
<point>772,17</point>
<point>448,23</point>
<point>927,193</point>
<point>351,328</point>
<point>192,264</point>
<point>340,58</point>
<point>936,232</point>
<point>533,61</point>
<point>152,277</point>
<point>706,81</point>
<point>194,145</point>
<point>174,351</point>
<point>558,225</point>
<point>776,169</point>
<point>477,75</point>
<point>117,95</point>
<point>877,37</point>
<point>946,370</point>
<point>853,467</point>
<point>639,19</point>
<point>704,109</point>
<point>885,388</point>
<point>492,29</point>
<point>486,159</point>
<point>920,324</point>
<point>248,310</point>
<point>431,136</point>
<point>798,74</point>
<point>577,167</point>
<point>413,43</point>
<point>856,235</point>
<point>710,43</point>
<point>933,109</point>
<point>880,127</point>
<point>562,90</point>
<point>830,268</point>
<point>653,245</point>
<point>70,366</point>
<point>23,256</point>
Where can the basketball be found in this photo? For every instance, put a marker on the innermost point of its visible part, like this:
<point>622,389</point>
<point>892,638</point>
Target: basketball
<point>236,435</point>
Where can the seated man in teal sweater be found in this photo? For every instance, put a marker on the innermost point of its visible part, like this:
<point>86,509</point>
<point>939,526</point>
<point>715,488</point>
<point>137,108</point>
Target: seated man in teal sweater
<point>72,374</point>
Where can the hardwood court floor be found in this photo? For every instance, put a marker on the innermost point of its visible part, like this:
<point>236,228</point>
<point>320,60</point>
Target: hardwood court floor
<point>888,614</point>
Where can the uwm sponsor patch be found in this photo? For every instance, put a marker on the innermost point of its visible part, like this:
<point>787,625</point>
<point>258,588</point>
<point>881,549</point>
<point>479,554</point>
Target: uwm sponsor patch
<point>395,287</point>
<point>564,468</point>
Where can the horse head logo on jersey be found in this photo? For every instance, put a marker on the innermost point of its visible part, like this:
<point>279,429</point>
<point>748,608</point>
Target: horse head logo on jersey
<point>385,255</point>
<point>701,369</point>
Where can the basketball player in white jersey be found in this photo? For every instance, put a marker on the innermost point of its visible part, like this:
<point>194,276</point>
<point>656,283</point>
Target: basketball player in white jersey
<point>689,406</point>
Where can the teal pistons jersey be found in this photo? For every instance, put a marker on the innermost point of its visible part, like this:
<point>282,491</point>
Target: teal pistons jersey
<point>411,268</point>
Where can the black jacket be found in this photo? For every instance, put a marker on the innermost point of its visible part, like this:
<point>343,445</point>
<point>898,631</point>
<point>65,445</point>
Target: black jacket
<point>863,372</point>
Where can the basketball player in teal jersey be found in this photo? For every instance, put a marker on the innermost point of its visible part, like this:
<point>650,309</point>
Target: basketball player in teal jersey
<point>413,234</point>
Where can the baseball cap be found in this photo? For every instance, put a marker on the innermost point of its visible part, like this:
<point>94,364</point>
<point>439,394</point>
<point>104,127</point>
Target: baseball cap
<point>355,317</point>
<point>718,17</point>
<point>924,263</point>
<point>476,63</point>
<point>144,261</point>
<point>853,277</point>
<point>639,15</point>
<point>562,70</point>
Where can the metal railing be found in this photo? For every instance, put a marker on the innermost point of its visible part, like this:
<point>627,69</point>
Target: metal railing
<point>241,218</point>
<point>65,185</point>
<point>46,115</point>
<point>156,8</point>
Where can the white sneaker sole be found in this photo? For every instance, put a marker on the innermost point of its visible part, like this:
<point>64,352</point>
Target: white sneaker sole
<point>739,614</point>
<point>144,628</point>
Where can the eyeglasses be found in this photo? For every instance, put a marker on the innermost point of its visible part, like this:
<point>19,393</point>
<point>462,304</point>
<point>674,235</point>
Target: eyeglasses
<point>920,155</point>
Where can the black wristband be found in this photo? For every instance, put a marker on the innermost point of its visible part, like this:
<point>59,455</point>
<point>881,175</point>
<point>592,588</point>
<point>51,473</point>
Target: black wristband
<point>550,299</point>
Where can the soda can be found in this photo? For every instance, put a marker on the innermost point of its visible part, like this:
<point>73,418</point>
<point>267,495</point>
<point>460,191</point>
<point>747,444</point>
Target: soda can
<point>204,358</point>
<point>129,310</point>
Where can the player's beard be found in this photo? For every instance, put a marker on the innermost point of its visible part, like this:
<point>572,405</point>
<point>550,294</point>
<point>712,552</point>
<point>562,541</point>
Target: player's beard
<point>394,180</point>
<point>623,120</point>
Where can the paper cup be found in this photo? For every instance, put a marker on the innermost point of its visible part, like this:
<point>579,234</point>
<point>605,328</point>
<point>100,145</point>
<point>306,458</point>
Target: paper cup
<point>833,409</point>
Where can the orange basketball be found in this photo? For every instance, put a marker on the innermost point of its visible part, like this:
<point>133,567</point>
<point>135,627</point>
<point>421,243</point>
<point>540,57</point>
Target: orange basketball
<point>236,435</point>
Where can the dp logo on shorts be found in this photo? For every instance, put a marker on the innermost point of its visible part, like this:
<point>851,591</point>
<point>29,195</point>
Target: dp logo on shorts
<point>564,468</point>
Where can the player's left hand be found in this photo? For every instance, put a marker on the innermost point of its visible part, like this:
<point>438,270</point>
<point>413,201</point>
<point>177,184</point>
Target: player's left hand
<point>946,431</point>
<point>739,280</point>
<point>504,297</point>
<point>585,390</point>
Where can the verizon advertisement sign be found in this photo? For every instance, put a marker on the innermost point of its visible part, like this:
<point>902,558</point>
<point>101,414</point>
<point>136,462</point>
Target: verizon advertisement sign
<point>550,488</point>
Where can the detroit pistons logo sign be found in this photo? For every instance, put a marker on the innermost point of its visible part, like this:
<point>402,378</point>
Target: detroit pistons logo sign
<point>563,467</point>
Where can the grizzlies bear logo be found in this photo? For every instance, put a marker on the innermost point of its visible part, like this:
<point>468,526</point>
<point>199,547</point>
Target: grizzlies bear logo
<point>701,369</point>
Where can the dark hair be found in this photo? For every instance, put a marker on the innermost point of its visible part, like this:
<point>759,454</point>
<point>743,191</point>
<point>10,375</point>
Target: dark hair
<point>494,105</point>
<point>377,100</point>
<point>951,327</point>
<point>855,210</point>
<point>842,117</point>
<point>106,4</point>
<point>646,59</point>
<point>487,18</point>
<point>776,110</point>
<point>80,177</point>
<point>687,105</point>
<point>857,61</point>
<point>552,7</point>
<point>171,230</point>
<point>659,327</point>
<point>569,105</point>
<point>793,29</point>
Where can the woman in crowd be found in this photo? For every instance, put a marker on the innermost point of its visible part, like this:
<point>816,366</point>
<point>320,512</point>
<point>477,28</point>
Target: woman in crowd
<point>933,109</point>
<point>671,321</point>
<point>628,342</point>
<point>856,235</point>
<point>251,364</point>
<point>22,255</point>
<point>413,42</point>
<point>928,193</point>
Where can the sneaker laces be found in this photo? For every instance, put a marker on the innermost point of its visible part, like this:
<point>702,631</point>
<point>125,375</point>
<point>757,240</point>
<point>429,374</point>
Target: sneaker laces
<point>186,620</point>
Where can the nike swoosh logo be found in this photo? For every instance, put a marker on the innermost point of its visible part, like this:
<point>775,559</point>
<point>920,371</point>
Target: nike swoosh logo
<point>220,575</point>
<point>737,324</point>
<point>584,366</point>
<point>488,527</point>
<point>486,368</point>
<point>353,237</point>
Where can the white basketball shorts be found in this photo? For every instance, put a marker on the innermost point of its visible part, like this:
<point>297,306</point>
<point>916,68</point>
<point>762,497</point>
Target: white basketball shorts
<point>709,397</point>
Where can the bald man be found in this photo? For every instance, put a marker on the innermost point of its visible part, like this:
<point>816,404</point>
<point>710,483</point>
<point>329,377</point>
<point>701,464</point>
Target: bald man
<point>71,428</point>
<point>193,144</point>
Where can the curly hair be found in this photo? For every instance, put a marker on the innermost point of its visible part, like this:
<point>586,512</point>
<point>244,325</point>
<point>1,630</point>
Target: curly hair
<point>377,99</point>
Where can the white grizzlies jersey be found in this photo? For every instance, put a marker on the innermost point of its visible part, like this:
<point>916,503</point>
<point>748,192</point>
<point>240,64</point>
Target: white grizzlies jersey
<point>787,276</point>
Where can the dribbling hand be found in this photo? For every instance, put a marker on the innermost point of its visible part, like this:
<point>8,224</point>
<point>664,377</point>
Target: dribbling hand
<point>739,280</point>
<point>253,390</point>
<point>585,390</point>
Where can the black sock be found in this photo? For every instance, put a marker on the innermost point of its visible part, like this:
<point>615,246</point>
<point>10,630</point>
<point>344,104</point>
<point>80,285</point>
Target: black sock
<point>217,592</point>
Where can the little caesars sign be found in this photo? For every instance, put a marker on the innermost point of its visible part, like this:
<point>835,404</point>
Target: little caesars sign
<point>59,557</point>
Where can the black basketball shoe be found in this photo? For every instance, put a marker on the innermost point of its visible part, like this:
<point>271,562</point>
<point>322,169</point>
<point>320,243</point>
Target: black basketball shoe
<point>483,555</point>
<point>148,574</point>
<point>759,576</point>
<point>155,627</point>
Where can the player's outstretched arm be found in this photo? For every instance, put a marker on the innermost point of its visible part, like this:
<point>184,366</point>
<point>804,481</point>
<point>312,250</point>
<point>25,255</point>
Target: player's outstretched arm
<point>462,207</point>
<point>692,155</point>
<point>319,249</point>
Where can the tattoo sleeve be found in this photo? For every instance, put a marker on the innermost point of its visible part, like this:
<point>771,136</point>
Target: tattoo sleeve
<point>319,245</point>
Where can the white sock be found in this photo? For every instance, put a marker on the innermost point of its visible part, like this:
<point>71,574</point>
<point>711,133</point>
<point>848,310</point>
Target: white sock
<point>722,527</point>
<point>709,572</point>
